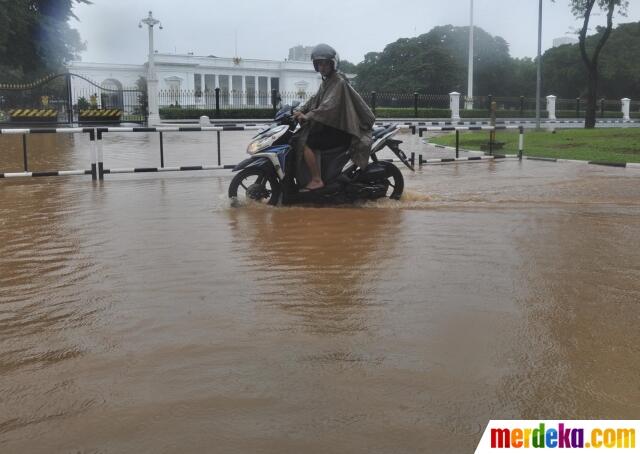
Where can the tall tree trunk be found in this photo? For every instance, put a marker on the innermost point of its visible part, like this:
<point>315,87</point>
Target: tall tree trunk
<point>591,63</point>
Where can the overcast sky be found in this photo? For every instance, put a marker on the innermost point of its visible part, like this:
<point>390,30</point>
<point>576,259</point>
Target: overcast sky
<point>266,29</point>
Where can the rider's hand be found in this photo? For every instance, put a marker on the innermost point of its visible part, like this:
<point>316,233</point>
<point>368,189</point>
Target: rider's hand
<point>300,116</point>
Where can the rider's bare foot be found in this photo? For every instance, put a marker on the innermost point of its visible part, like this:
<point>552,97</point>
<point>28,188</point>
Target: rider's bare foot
<point>313,185</point>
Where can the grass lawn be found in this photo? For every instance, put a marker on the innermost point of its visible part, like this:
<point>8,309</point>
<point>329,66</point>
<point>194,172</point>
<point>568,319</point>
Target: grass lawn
<point>604,144</point>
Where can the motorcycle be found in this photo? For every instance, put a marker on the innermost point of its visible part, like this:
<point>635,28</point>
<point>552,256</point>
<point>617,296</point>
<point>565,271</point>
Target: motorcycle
<point>272,174</point>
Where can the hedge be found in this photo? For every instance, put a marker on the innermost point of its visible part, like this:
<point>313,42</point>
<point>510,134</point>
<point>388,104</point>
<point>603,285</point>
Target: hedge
<point>173,113</point>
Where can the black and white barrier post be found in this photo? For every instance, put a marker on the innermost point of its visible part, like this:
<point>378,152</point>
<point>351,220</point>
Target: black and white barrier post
<point>218,139</point>
<point>457,143</point>
<point>161,129</point>
<point>24,132</point>
<point>93,155</point>
<point>100,155</point>
<point>520,142</point>
<point>24,152</point>
<point>161,150</point>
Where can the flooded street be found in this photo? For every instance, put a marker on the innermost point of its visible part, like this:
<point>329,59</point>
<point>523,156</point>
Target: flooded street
<point>143,314</point>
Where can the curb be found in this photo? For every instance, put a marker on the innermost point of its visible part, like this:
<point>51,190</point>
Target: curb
<point>628,165</point>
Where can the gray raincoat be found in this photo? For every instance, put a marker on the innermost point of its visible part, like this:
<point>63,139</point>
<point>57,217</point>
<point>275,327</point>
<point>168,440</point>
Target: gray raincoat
<point>338,105</point>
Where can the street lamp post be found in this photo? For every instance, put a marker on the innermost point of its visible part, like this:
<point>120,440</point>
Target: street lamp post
<point>539,75</point>
<point>469,103</point>
<point>152,81</point>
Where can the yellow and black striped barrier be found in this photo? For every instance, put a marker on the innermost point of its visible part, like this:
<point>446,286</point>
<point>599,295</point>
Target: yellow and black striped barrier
<point>100,115</point>
<point>33,114</point>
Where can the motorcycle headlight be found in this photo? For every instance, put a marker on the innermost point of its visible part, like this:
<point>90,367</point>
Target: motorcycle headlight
<point>265,141</point>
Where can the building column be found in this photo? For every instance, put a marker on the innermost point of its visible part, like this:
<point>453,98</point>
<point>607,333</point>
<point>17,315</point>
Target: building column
<point>216,81</point>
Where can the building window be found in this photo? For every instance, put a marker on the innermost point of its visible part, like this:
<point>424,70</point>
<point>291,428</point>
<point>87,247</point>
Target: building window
<point>275,84</point>
<point>197,85</point>
<point>209,82</point>
<point>209,89</point>
<point>236,85</point>
<point>263,95</point>
<point>250,83</point>
<point>224,90</point>
<point>173,84</point>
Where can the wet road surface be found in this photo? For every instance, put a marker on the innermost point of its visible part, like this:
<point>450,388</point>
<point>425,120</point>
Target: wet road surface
<point>143,314</point>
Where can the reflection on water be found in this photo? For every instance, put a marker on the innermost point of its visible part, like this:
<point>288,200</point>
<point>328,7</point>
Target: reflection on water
<point>319,265</point>
<point>143,314</point>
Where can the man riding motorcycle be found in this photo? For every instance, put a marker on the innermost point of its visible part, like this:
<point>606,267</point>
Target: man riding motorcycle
<point>335,116</point>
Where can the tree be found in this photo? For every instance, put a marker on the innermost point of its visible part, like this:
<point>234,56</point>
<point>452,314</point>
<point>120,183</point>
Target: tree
<point>143,100</point>
<point>35,37</point>
<point>563,74</point>
<point>521,77</point>
<point>435,63</point>
<point>347,67</point>
<point>618,68</point>
<point>583,9</point>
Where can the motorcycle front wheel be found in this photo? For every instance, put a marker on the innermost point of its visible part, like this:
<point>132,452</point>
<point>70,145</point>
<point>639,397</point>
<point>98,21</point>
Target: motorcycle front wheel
<point>395,180</point>
<point>253,184</point>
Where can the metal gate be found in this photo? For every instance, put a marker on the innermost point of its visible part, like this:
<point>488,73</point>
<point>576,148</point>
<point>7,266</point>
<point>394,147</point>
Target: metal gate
<point>70,99</point>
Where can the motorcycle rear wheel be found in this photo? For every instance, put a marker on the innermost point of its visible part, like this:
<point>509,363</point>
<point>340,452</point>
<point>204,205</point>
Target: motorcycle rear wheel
<point>395,180</point>
<point>253,184</point>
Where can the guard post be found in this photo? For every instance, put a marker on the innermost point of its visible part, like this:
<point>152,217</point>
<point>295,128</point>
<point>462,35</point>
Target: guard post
<point>520,141</point>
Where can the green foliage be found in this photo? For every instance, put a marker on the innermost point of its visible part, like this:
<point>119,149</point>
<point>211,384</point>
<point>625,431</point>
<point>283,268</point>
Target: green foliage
<point>172,113</point>
<point>602,144</point>
<point>619,67</point>
<point>581,7</point>
<point>347,67</point>
<point>83,104</point>
<point>407,112</point>
<point>436,62</point>
<point>590,55</point>
<point>35,37</point>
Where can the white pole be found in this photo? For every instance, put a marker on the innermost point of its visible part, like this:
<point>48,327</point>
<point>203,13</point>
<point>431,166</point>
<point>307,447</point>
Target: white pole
<point>152,81</point>
<point>539,76</point>
<point>152,67</point>
<point>469,103</point>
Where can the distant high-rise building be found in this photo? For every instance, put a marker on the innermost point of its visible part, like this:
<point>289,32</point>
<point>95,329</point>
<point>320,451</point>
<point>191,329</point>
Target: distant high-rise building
<point>564,40</point>
<point>300,53</point>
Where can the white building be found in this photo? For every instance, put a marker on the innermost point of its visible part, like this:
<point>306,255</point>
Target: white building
<point>300,53</point>
<point>239,80</point>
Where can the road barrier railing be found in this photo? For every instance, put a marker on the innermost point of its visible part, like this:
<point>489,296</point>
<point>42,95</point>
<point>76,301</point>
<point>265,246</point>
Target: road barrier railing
<point>161,130</point>
<point>97,169</point>
<point>49,173</point>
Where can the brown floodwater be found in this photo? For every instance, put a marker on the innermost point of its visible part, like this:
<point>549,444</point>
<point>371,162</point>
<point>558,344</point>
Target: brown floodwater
<point>144,314</point>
